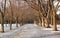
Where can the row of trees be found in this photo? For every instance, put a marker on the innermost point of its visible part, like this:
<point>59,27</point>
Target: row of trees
<point>2,11</point>
<point>8,10</point>
<point>16,11</point>
<point>47,11</point>
<point>42,11</point>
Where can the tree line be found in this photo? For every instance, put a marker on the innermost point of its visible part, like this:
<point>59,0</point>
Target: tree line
<point>41,11</point>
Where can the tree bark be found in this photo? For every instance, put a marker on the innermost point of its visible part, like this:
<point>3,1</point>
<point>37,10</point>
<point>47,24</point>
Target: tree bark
<point>10,24</point>
<point>54,22</point>
<point>51,19</point>
<point>2,23</point>
<point>16,21</point>
<point>42,22</point>
<point>46,23</point>
<point>34,22</point>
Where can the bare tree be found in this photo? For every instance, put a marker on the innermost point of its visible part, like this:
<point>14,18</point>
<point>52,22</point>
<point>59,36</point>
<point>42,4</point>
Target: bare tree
<point>11,19</point>
<point>2,11</point>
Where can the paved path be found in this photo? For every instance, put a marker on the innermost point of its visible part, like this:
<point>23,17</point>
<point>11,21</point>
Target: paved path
<point>32,31</point>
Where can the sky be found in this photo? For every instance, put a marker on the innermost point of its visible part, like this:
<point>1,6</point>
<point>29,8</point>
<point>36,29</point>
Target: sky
<point>55,4</point>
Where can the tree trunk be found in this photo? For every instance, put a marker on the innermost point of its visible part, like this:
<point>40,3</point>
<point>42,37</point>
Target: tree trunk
<point>16,21</point>
<point>40,24</point>
<point>54,22</point>
<point>51,20</point>
<point>46,23</point>
<point>10,24</point>
<point>2,23</point>
<point>21,22</point>
<point>34,22</point>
